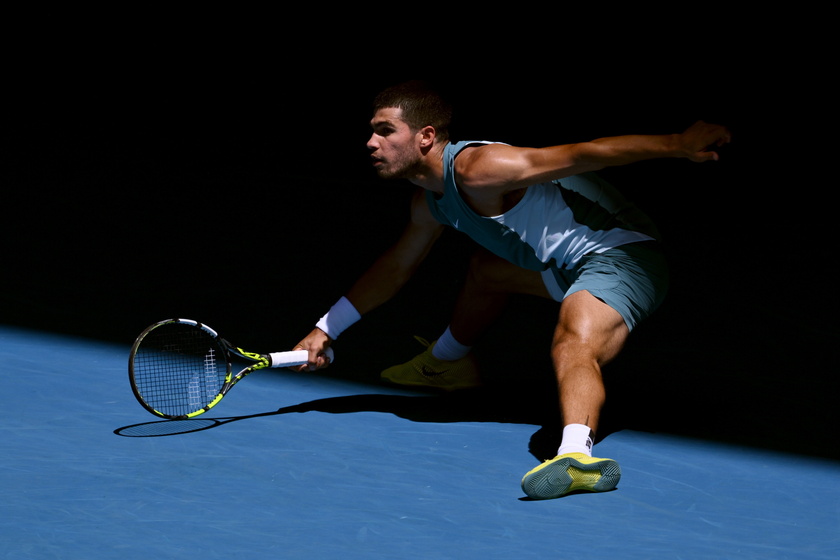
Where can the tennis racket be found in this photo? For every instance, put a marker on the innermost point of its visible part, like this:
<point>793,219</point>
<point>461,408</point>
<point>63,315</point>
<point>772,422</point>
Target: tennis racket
<point>180,368</point>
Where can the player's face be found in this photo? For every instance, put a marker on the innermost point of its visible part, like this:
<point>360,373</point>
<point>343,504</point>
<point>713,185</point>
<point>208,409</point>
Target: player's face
<point>394,147</point>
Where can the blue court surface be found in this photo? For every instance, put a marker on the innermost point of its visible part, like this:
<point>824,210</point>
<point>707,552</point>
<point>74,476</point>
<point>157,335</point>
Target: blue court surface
<point>312,466</point>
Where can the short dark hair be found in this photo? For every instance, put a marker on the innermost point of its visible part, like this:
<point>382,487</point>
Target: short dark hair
<point>421,104</point>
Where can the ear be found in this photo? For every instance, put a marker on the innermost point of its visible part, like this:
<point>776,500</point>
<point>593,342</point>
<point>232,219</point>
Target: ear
<point>427,136</point>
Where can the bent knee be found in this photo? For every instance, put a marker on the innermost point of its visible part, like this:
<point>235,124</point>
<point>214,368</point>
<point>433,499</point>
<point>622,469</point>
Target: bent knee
<point>589,327</point>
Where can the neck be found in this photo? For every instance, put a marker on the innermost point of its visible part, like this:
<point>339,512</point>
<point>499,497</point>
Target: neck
<point>430,175</point>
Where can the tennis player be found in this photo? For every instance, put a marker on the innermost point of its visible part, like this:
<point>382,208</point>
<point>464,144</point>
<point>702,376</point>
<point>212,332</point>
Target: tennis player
<point>548,226</point>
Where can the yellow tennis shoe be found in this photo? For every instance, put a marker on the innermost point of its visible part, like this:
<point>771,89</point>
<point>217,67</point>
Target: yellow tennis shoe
<point>568,473</point>
<point>424,370</point>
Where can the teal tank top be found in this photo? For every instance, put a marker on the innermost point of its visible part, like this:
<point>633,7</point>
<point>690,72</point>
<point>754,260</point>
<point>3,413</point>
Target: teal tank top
<point>554,224</point>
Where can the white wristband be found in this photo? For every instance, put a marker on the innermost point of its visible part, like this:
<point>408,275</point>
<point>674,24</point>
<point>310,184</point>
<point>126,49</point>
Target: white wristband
<point>338,318</point>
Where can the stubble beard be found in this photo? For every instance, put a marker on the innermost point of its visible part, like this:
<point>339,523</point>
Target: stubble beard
<point>403,169</point>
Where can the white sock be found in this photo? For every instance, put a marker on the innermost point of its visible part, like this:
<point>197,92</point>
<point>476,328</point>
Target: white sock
<point>577,438</point>
<point>448,349</point>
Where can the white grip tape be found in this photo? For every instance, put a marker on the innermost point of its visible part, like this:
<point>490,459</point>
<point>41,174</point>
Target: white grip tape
<point>295,358</point>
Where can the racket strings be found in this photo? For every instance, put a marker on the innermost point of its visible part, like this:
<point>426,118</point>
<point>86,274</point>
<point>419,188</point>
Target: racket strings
<point>179,369</point>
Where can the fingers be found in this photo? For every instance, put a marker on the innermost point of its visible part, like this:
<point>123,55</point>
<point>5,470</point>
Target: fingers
<point>316,344</point>
<point>320,361</point>
<point>317,358</point>
<point>703,156</point>
<point>701,136</point>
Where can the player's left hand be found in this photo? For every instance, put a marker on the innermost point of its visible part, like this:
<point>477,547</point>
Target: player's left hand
<point>699,139</point>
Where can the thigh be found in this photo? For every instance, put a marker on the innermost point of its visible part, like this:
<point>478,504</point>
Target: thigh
<point>590,326</point>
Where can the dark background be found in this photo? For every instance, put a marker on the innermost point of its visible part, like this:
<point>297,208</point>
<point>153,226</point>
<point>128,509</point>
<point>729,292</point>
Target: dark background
<point>174,167</point>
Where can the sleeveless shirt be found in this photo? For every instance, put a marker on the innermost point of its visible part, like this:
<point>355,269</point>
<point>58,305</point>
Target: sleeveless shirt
<point>554,224</point>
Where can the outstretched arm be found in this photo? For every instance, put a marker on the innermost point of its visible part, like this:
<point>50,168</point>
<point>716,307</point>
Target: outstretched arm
<point>510,168</point>
<point>693,144</point>
<point>395,267</point>
<point>386,276</point>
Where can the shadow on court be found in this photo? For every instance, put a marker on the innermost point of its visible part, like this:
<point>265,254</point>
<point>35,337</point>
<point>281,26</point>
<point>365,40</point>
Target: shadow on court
<point>467,406</point>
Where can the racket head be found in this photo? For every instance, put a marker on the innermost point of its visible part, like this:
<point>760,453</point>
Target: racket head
<point>179,368</point>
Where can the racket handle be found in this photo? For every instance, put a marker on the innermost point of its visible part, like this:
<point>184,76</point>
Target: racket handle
<point>295,358</point>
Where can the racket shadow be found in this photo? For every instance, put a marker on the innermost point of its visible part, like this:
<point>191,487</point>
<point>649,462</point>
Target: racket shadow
<point>162,428</point>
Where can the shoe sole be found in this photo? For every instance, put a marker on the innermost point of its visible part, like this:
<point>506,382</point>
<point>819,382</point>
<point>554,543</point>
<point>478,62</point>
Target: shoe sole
<point>563,475</point>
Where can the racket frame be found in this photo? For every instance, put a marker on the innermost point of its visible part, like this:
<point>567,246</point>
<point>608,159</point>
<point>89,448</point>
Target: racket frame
<point>258,361</point>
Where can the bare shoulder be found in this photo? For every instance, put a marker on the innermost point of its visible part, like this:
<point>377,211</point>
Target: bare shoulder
<point>477,156</point>
<point>491,166</point>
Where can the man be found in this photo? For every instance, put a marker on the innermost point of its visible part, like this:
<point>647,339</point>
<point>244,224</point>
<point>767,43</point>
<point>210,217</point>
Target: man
<point>550,228</point>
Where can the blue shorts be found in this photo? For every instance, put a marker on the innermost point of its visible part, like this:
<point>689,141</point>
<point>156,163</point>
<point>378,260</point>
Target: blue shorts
<point>632,279</point>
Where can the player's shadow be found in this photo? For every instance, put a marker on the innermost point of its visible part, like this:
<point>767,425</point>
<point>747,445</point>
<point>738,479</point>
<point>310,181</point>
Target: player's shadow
<point>483,405</point>
<point>656,385</point>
